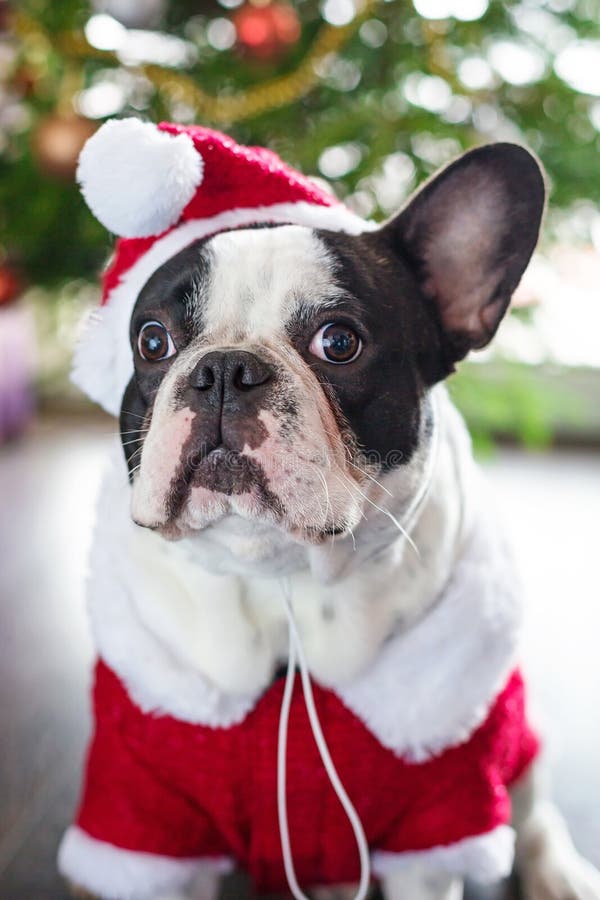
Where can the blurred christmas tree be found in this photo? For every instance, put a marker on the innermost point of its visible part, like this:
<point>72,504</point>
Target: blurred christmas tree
<point>371,95</point>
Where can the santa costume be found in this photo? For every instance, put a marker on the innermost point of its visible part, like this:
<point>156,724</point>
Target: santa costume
<point>180,775</point>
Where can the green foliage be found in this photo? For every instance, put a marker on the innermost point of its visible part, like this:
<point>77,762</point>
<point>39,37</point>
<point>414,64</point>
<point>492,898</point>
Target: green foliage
<point>47,226</point>
<point>508,399</point>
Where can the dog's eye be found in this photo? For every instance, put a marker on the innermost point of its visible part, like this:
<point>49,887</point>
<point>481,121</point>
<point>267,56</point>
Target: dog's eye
<point>155,342</point>
<point>336,343</point>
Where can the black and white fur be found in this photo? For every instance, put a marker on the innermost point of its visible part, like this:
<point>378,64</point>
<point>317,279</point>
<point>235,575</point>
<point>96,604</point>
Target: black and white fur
<point>255,458</point>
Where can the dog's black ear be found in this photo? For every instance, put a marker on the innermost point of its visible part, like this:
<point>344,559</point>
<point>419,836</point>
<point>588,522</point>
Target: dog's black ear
<point>468,235</point>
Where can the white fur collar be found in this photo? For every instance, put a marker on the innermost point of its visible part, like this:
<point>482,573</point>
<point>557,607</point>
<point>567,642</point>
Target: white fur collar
<point>155,678</point>
<point>431,686</point>
<point>428,688</point>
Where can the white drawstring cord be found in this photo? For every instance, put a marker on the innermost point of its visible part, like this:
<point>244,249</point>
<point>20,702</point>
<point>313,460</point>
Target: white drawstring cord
<point>295,650</point>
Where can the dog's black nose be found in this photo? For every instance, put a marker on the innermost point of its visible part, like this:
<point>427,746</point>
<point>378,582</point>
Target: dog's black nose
<point>230,372</point>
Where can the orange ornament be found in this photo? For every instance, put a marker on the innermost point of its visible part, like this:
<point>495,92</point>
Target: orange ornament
<point>57,143</point>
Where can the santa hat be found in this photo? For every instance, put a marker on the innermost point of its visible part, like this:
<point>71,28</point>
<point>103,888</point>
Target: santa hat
<point>159,188</point>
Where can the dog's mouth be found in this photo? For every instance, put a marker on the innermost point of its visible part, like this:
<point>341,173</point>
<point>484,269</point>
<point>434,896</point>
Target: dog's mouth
<point>186,485</point>
<point>234,484</point>
<point>221,471</point>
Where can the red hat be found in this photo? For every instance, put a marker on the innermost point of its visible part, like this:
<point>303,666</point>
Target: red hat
<point>159,188</point>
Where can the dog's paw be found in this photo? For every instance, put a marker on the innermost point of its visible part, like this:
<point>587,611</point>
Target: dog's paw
<point>549,866</point>
<point>332,892</point>
<point>80,893</point>
<point>173,895</point>
<point>567,878</point>
<point>335,892</point>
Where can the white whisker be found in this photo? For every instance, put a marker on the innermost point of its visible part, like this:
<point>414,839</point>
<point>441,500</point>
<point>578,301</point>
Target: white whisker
<point>359,468</point>
<point>126,412</point>
<point>392,518</point>
<point>353,539</point>
<point>371,477</point>
<point>328,508</point>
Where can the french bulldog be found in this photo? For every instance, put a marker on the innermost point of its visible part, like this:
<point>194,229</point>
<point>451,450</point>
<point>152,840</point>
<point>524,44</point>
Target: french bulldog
<point>286,428</point>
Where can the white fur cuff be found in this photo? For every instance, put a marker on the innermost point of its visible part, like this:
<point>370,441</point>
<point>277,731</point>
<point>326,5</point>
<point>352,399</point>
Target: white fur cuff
<point>125,874</point>
<point>485,858</point>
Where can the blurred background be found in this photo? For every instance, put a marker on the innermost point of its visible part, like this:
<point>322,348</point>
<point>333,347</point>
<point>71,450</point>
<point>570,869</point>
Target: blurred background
<point>370,96</point>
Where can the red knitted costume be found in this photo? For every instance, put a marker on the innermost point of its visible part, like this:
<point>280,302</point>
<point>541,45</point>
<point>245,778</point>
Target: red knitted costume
<point>167,787</point>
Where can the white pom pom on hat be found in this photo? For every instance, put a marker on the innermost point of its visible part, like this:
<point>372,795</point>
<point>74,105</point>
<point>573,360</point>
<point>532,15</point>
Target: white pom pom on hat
<point>137,179</point>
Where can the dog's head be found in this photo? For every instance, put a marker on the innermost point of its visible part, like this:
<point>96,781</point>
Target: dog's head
<point>280,369</point>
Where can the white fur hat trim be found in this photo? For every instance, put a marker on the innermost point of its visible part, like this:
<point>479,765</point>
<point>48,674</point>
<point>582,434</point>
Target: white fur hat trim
<point>136,179</point>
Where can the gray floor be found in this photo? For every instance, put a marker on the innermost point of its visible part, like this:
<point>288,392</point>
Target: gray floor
<point>47,485</point>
